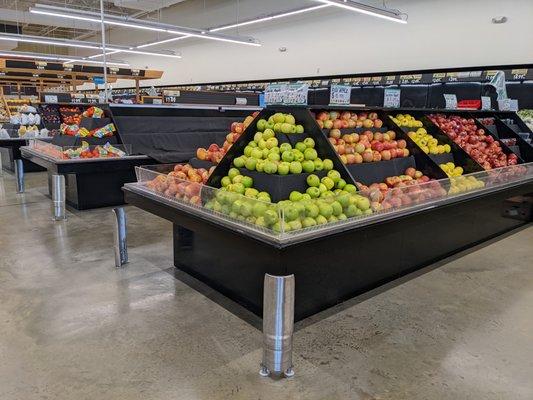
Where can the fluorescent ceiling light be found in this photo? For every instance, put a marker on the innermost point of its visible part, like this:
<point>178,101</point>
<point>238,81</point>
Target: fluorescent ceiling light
<point>366,9</point>
<point>80,44</point>
<point>173,39</point>
<point>102,54</point>
<point>59,58</point>
<point>269,17</point>
<point>136,24</point>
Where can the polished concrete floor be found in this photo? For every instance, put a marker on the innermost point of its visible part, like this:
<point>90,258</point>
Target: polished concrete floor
<point>74,327</point>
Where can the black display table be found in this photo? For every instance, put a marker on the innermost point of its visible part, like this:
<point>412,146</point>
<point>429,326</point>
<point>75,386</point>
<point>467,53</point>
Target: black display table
<point>10,151</point>
<point>90,183</point>
<point>329,265</point>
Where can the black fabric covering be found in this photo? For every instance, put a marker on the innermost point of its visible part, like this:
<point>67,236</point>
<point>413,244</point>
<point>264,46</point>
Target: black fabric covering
<point>169,139</point>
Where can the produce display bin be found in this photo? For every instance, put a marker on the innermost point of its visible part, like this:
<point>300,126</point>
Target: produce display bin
<point>218,240</point>
<point>89,183</point>
<point>10,151</point>
<point>333,262</point>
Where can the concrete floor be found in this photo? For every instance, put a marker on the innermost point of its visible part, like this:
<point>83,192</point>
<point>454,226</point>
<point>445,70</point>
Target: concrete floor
<point>74,327</point>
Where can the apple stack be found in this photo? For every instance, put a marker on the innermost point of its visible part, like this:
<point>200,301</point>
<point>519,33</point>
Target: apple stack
<point>482,147</point>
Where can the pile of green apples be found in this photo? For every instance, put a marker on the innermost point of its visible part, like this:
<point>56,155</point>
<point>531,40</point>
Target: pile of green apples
<point>265,154</point>
<point>327,199</point>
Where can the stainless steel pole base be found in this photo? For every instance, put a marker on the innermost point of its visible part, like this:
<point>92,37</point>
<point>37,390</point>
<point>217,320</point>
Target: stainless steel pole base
<point>278,325</point>
<point>58,198</point>
<point>120,237</point>
<point>19,175</point>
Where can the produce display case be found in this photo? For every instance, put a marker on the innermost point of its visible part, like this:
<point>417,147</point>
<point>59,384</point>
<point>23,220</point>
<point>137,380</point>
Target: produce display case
<point>229,240</point>
<point>93,180</point>
<point>10,150</point>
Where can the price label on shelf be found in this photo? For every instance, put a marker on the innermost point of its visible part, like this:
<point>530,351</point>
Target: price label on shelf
<point>157,101</point>
<point>451,101</point>
<point>340,94</point>
<point>391,98</point>
<point>486,103</point>
<point>241,101</point>
<point>296,94</point>
<point>50,98</point>
<point>274,93</point>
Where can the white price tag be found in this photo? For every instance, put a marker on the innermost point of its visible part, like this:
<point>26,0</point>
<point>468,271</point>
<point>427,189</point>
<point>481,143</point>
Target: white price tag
<point>296,94</point>
<point>513,105</point>
<point>275,93</point>
<point>241,101</point>
<point>486,103</point>
<point>158,101</point>
<point>340,94</point>
<point>391,98</point>
<point>504,105</point>
<point>451,101</point>
<point>50,98</point>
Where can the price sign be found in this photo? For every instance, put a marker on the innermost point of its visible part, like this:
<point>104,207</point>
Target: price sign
<point>519,74</point>
<point>157,101</point>
<point>296,94</point>
<point>486,103</point>
<point>241,101</point>
<point>50,98</point>
<point>438,77</point>
<point>451,100</point>
<point>340,94</point>
<point>274,93</point>
<point>390,79</point>
<point>452,77</point>
<point>391,98</point>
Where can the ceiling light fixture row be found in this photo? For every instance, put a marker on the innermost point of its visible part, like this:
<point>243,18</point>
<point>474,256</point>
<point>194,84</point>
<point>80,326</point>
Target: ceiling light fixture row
<point>64,59</point>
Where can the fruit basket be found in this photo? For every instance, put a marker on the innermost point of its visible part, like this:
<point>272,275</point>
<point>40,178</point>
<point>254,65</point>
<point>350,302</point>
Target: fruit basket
<point>80,153</point>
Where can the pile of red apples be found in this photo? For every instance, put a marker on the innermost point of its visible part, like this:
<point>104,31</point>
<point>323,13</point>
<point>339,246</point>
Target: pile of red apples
<point>347,119</point>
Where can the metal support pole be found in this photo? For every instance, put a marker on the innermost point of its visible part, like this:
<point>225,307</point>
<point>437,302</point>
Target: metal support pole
<point>278,325</point>
<point>58,197</point>
<point>120,234</point>
<point>1,166</point>
<point>19,175</point>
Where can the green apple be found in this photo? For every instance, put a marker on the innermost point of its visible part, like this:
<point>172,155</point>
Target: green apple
<point>285,147</point>
<point>263,196</point>
<point>260,165</point>
<point>313,191</point>
<point>284,168</point>
<point>233,172</point>
<point>239,162</point>
<point>351,210</point>
<point>233,214</point>
<point>246,209</point>
<point>266,152</point>
<point>270,167</point>
<point>238,188</point>
<point>293,129</point>
<point>275,150</point>
<point>335,175</point>
<point>325,209</point>
<point>248,151</point>
<point>271,120</point>
<point>341,183</point>
<point>261,124</point>
<point>252,144</point>
<point>236,206</point>
<point>251,192</point>
<point>319,164</point>
<point>310,154</point>
<point>273,157</point>
<point>320,220</point>
<point>290,213</point>
<point>295,196</point>
<point>256,153</point>
<point>289,119</point>
<point>342,217</point>
<point>350,188</point>
<point>322,188</point>
<point>309,142</point>
<point>328,164</point>
<point>260,221</point>
<point>251,163</point>
<point>270,125</point>
<point>313,180</point>
<point>277,127</point>
<point>308,166</point>
<point>262,144</point>
<point>247,182</point>
<point>332,218</point>
<point>363,203</point>
<point>225,181</point>
<point>295,225</point>
<point>287,156</point>
<point>298,155</point>
<point>300,146</point>
<point>299,129</point>
<point>286,128</point>
<point>279,117</point>
<point>311,210</point>
<point>296,167</point>
<point>271,142</point>
<point>344,200</point>
<point>259,209</point>
<point>270,216</point>
<point>306,197</point>
<point>258,136</point>
<point>308,222</point>
<point>268,133</point>
<point>328,182</point>
<point>337,208</point>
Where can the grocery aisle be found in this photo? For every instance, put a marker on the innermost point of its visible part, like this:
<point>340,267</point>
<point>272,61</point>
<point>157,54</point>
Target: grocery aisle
<point>75,327</point>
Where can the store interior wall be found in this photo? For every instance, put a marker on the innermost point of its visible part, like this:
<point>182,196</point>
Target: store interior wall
<point>440,34</point>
